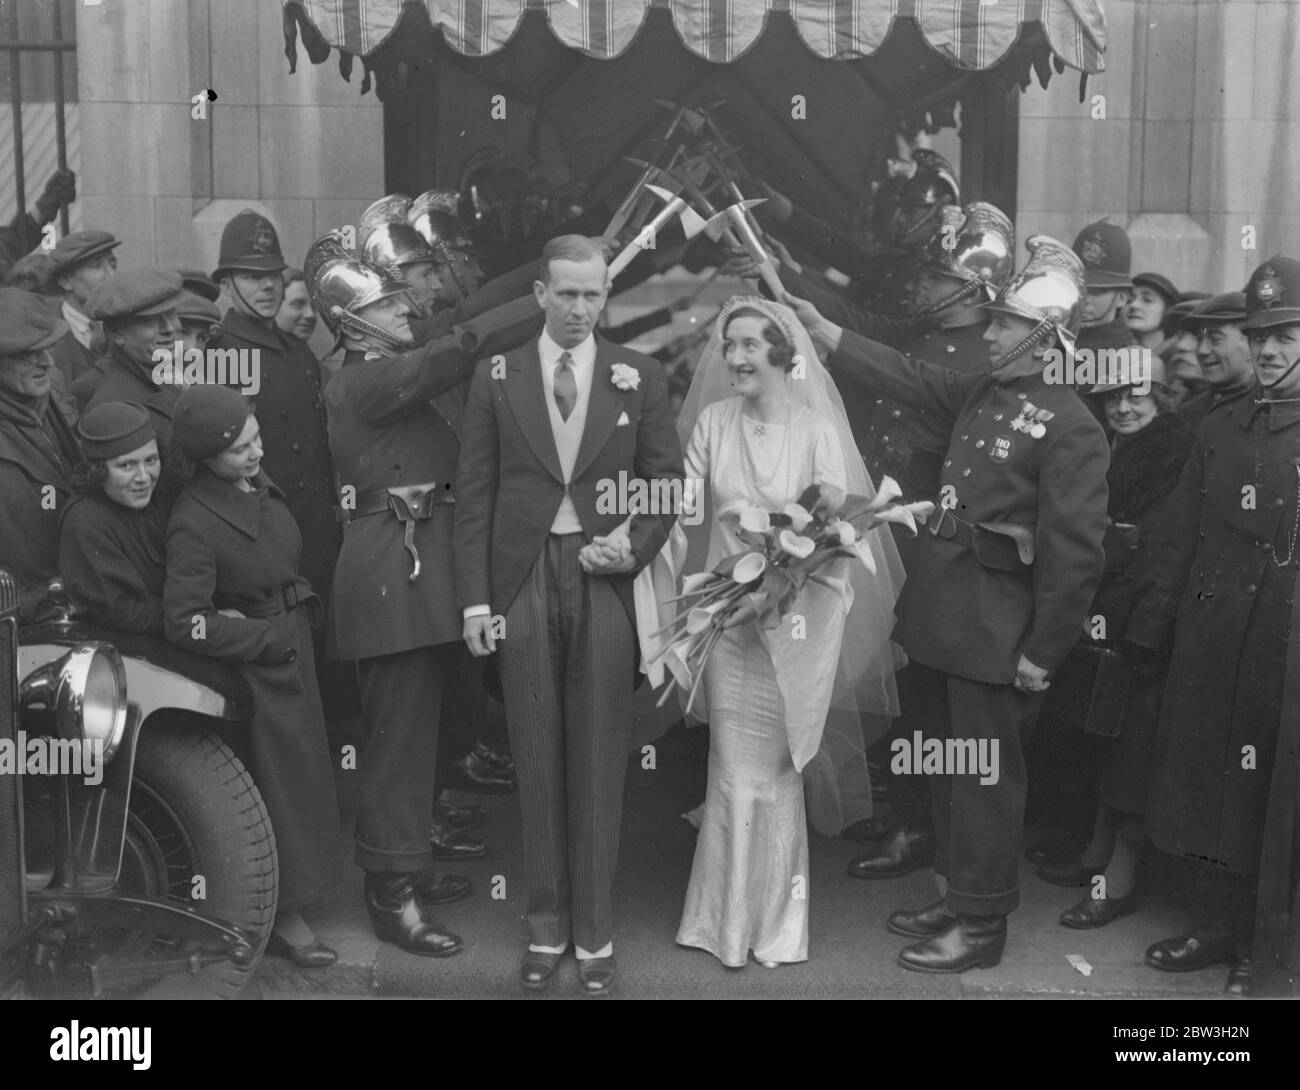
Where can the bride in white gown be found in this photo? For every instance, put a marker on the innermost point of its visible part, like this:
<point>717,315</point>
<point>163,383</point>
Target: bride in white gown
<point>761,423</point>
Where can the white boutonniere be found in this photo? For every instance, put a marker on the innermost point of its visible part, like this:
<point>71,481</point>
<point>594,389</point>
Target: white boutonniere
<point>625,376</point>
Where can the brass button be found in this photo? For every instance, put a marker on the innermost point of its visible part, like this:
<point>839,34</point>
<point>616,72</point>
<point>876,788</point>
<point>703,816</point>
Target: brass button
<point>965,472</point>
<point>1021,397</point>
<point>896,413</point>
<point>979,444</point>
<point>949,348</point>
<point>1251,588</point>
<point>297,448</point>
<point>965,436</point>
<point>1279,502</point>
<point>997,416</point>
<point>947,463</point>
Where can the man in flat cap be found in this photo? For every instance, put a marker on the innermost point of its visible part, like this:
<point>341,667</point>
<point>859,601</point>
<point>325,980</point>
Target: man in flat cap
<point>139,311</point>
<point>82,261</point>
<point>38,447</point>
<point>289,405</point>
<point>1223,352</point>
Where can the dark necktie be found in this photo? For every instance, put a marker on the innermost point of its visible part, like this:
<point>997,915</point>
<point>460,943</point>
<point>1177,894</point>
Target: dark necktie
<point>566,386</point>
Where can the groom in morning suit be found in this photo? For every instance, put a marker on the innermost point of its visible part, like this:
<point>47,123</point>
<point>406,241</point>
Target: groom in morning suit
<point>548,428</point>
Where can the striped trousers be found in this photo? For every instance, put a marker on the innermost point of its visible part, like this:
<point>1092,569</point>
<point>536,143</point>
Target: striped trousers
<point>566,675</point>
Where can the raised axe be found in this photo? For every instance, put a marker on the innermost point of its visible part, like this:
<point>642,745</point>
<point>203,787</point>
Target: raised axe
<point>674,205</point>
<point>629,205</point>
<point>737,216</point>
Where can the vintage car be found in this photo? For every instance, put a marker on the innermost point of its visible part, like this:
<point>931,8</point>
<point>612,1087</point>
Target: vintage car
<point>161,877</point>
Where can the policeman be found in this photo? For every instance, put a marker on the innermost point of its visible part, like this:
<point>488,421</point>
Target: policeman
<point>1001,582</point>
<point>395,443</point>
<point>1107,257</point>
<point>138,309</point>
<point>1222,352</point>
<point>289,405</point>
<point>1221,578</point>
<point>38,447</point>
<point>81,261</point>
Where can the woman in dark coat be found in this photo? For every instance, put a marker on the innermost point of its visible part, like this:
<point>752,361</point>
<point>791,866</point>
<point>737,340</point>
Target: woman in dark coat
<point>111,543</point>
<point>1147,456</point>
<point>233,591</point>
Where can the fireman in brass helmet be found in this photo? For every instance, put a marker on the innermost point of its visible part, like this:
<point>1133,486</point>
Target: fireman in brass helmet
<point>393,416</point>
<point>1000,583</point>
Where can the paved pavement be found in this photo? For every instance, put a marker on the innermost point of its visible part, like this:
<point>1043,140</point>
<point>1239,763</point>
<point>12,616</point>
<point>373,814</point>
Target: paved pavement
<point>851,954</point>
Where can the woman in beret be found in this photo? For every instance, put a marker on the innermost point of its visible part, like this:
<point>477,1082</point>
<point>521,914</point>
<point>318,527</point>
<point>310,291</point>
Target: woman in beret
<point>1153,294</point>
<point>233,591</point>
<point>111,543</point>
<point>1147,455</point>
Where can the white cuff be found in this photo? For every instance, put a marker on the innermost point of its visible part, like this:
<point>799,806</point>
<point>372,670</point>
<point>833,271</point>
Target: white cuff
<point>476,611</point>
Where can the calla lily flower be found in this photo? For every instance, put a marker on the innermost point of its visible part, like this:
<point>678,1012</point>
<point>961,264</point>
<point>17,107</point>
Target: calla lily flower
<point>845,531</point>
<point>755,520</point>
<point>697,581</point>
<point>794,545</point>
<point>749,567</point>
<point>701,617</point>
<point>886,494</point>
<point>863,548</point>
<point>799,516</point>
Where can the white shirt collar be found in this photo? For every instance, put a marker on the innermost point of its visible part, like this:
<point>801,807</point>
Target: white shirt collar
<point>583,354</point>
<point>82,327</point>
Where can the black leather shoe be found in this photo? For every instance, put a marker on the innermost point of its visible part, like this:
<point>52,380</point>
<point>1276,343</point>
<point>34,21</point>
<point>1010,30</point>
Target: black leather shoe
<point>1069,872</point>
<point>493,758</point>
<point>905,852</point>
<point>397,916</point>
<point>441,889</point>
<point>968,943</point>
<point>538,968</point>
<point>1239,979</point>
<point>596,975</point>
<point>1188,953</point>
<point>446,844</point>
<point>460,819</point>
<point>311,955</point>
<point>873,832</point>
<point>922,922</point>
<point>1053,851</point>
<point>472,773</point>
<point>1098,911</point>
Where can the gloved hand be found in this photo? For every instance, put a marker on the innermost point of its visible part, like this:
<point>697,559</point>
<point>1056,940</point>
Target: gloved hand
<point>61,189</point>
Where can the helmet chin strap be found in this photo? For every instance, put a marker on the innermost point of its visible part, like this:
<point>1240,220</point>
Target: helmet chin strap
<point>450,258</point>
<point>234,283</point>
<point>1031,341</point>
<point>1282,377</point>
<point>969,288</point>
<point>362,328</point>
<point>913,233</point>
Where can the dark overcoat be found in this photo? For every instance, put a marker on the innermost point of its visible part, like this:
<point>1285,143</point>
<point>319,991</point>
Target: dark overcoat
<point>113,562</point>
<point>71,358</point>
<point>295,442</point>
<point>38,452</point>
<point>233,550</point>
<point>1217,583</point>
<point>955,613</point>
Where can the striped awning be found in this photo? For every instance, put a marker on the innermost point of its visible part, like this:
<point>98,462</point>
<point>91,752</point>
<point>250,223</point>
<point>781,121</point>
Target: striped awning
<point>972,35</point>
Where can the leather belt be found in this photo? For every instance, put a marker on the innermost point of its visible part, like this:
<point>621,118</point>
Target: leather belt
<point>411,503</point>
<point>290,595</point>
<point>951,528</point>
<point>1002,546</point>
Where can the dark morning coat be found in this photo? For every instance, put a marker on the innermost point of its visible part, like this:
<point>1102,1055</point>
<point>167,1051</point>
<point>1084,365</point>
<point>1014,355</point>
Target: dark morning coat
<point>1215,586</point>
<point>396,421</point>
<point>510,484</point>
<point>295,443</point>
<point>38,451</point>
<point>113,562</point>
<point>229,549</point>
<point>955,614</point>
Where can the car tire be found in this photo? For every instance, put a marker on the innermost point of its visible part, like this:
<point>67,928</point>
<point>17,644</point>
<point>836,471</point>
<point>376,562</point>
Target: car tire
<point>195,812</point>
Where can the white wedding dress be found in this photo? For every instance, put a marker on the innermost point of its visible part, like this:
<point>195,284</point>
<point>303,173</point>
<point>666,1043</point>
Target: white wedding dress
<point>767,696</point>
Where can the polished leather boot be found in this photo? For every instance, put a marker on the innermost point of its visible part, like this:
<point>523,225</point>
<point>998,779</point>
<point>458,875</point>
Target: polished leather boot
<point>1098,911</point>
<point>921,923</point>
<point>1069,873</point>
<point>440,889</point>
<point>873,833</point>
<point>970,942</point>
<point>538,967</point>
<point>397,916</point>
<point>472,773</point>
<point>460,819</point>
<point>1239,978</point>
<point>1190,952</point>
<point>445,844</point>
<point>906,851</point>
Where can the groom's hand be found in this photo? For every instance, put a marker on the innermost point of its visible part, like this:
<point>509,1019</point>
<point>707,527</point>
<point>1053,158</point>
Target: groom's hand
<point>478,637</point>
<point>607,556</point>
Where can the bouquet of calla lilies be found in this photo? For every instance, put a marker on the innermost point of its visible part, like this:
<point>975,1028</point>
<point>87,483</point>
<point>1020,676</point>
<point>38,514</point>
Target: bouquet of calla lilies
<point>789,546</point>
